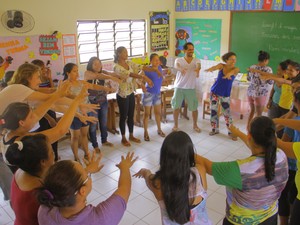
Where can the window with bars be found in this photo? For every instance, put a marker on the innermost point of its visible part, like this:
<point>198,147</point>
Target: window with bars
<point>102,37</point>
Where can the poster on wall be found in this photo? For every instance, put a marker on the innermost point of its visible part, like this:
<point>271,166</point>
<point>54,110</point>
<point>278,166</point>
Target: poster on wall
<point>159,31</point>
<point>205,34</point>
<point>21,49</point>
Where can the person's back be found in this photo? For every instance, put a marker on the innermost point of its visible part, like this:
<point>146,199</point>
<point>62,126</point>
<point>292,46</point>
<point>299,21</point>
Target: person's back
<point>180,190</point>
<point>19,198</point>
<point>91,215</point>
<point>199,214</point>
<point>257,198</point>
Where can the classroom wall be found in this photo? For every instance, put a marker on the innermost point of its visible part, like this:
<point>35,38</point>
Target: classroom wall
<point>223,15</point>
<point>62,15</point>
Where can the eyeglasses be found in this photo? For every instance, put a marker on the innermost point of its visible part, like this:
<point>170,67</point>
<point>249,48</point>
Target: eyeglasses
<point>84,182</point>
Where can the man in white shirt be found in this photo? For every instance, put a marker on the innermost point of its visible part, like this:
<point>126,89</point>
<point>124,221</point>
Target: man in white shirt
<point>188,69</point>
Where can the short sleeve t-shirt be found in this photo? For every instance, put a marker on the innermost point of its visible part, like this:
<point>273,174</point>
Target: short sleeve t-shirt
<point>187,80</point>
<point>250,197</point>
<point>109,212</point>
<point>13,93</point>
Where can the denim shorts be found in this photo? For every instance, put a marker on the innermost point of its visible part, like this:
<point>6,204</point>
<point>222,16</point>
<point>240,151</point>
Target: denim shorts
<point>150,99</point>
<point>77,124</point>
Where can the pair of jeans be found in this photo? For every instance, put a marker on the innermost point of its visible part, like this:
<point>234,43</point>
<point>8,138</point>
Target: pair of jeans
<point>102,119</point>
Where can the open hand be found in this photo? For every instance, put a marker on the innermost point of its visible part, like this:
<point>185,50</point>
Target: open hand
<point>127,162</point>
<point>142,173</point>
<point>93,164</point>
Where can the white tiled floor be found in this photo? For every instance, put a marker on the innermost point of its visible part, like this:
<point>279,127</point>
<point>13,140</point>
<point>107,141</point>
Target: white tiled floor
<point>142,207</point>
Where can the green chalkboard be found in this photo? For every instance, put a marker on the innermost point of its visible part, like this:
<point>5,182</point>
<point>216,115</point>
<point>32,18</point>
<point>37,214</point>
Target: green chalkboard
<point>275,32</point>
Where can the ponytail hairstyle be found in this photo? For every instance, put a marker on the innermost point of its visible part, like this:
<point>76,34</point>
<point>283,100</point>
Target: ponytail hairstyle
<point>262,130</point>
<point>226,56</point>
<point>89,66</point>
<point>28,153</point>
<point>61,183</point>
<point>262,56</point>
<point>67,69</point>
<point>117,52</point>
<point>12,115</point>
<point>174,175</point>
<point>24,73</point>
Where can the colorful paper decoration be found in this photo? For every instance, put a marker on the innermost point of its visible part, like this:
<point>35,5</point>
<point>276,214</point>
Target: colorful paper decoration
<point>288,5</point>
<point>214,4</point>
<point>277,5</point>
<point>268,4</point>
<point>239,5</point>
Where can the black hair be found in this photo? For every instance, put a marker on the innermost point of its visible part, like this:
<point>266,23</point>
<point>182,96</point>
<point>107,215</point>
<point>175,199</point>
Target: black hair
<point>176,160</point>
<point>28,158</point>
<point>12,115</point>
<point>296,66</point>
<point>117,52</point>
<point>227,55</point>
<point>152,56</point>
<point>60,185</point>
<point>284,65</point>
<point>263,132</point>
<point>6,78</point>
<point>262,56</point>
<point>185,46</point>
<point>163,61</point>
<point>67,69</point>
<point>38,62</point>
<point>89,66</point>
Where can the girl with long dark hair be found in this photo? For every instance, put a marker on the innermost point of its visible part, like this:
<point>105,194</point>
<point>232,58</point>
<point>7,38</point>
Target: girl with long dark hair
<point>254,184</point>
<point>180,183</point>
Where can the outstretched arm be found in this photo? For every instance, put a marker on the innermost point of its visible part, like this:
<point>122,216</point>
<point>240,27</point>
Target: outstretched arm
<point>236,132</point>
<point>64,123</point>
<point>205,162</point>
<point>232,72</point>
<point>294,124</point>
<point>214,68</point>
<point>270,76</point>
<point>287,147</point>
<point>124,185</point>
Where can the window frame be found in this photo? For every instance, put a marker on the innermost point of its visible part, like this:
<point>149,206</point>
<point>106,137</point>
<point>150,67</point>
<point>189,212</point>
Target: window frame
<point>98,40</point>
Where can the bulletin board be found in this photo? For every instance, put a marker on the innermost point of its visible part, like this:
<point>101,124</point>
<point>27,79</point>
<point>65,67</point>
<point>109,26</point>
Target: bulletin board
<point>58,49</point>
<point>159,31</point>
<point>205,34</point>
<point>277,33</point>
